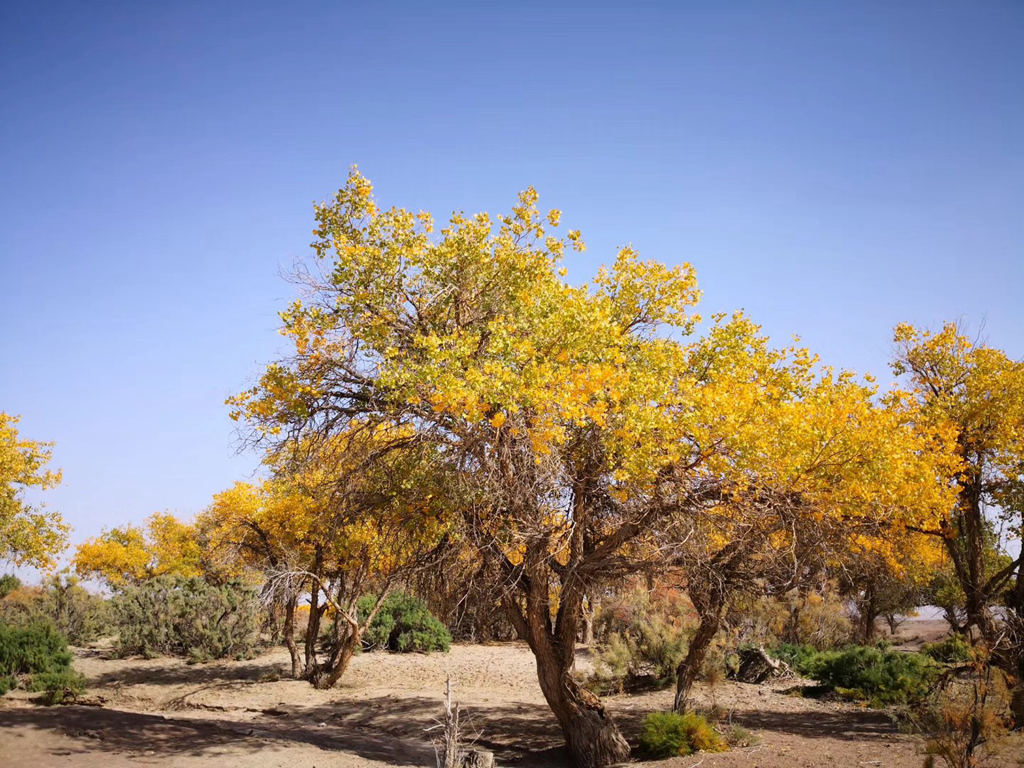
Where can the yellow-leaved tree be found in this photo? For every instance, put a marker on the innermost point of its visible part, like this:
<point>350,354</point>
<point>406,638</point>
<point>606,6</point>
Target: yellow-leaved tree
<point>977,392</point>
<point>29,534</point>
<point>808,467</point>
<point>130,554</point>
<point>337,520</point>
<point>584,430</point>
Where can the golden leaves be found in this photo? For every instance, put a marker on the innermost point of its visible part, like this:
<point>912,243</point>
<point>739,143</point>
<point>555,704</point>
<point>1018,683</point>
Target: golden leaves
<point>29,534</point>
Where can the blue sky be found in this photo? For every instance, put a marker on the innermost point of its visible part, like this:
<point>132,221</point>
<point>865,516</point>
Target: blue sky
<point>832,168</point>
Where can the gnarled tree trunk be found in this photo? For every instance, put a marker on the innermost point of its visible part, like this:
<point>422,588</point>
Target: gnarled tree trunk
<point>591,735</point>
<point>689,668</point>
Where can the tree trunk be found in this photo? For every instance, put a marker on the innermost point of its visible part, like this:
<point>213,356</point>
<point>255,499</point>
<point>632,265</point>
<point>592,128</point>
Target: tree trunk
<point>970,564</point>
<point>689,669</point>
<point>587,621</point>
<point>593,739</point>
<point>868,613</point>
<point>340,663</point>
<point>591,735</point>
<point>289,636</point>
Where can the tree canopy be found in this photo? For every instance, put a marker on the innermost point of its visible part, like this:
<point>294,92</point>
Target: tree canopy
<point>30,534</point>
<point>589,431</point>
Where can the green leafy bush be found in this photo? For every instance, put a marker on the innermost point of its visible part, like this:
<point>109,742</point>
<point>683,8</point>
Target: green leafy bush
<point>798,656</point>
<point>37,655</point>
<point>948,651</point>
<point>403,624</point>
<point>878,676</point>
<point>59,687</point>
<point>649,655</point>
<point>669,734</point>
<point>188,617</point>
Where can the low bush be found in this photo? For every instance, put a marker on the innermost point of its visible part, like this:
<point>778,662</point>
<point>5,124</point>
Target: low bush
<point>879,676</point>
<point>36,656</point>
<point>649,655</point>
<point>76,613</point>
<point>59,687</point>
<point>403,625</point>
<point>669,734</point>
<point>797,656</point>
<point>188,617</point>
<point>951,650</point>
<point>642,637</point>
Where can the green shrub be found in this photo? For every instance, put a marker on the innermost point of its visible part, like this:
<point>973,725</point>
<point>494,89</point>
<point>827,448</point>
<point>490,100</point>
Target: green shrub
<point>37,653</point>
<point>669,734</point>
<point>8,583</point>
<point>649,655</point>
<point>32,649</point>
<point>76,613</point>
<point>403,625</point>
<point>797,656</point>
<point>59,687</point>
<point>948,651</point>
<point>188,617</point>
<point>878,676</point>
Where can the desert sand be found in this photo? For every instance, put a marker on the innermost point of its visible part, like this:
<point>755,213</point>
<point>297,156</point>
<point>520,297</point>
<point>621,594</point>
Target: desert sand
<point>164,712</point>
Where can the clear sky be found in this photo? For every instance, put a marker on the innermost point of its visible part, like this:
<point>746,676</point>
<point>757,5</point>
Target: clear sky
<point>832,168</point>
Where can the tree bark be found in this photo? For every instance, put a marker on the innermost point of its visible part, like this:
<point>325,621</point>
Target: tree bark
<point>591,735</point>
<point>868,610</point>
<point>340,663</point>
<point>289,636</point>
<point>689,669</point>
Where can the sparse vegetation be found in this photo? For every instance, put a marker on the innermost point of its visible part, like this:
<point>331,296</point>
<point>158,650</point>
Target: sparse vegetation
<point>670,734</point>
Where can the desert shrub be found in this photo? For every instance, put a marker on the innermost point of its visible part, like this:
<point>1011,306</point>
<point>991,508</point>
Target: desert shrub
<point>78,614</point>
<point>817,618</point>
<point>403,625</point>
<point>878,676</point>
<point>738,736</point>
<point>642,637</point>
<point>670,734</point>
<point>188,617</point>
<point>37,656</point>
<point>625,611</point>
<point>8,583</point>
<point>796,655</point>
<point>965,718</point>
<point>648,655</point>
<point>59,687</point>
<point>949,650</point>
<point>32,649</point>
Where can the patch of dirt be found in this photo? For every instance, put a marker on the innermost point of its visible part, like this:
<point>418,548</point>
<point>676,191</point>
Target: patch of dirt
<point>164,712</point>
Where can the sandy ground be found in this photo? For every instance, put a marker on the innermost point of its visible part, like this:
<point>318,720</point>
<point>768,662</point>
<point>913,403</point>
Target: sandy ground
<point>163,712</point>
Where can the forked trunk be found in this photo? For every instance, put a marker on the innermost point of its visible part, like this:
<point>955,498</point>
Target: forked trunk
<point>591,735</point>
<point>338,666</point>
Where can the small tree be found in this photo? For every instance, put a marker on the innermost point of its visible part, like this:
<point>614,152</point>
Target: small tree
<point>977,393</point>
<point>130,555</point>
<point>29,534</point>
